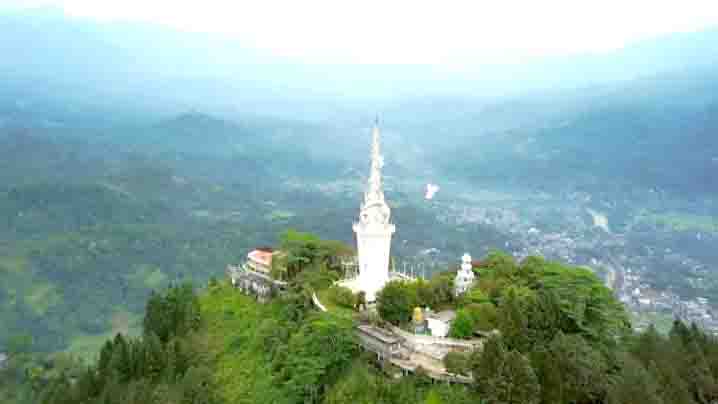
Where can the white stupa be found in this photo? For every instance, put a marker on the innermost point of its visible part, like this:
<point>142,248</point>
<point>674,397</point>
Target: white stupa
<point>374,229</point>
<point>465,277</point>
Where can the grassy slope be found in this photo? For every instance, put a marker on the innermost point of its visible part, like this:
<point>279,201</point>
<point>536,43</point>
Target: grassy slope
<point>241,371</point>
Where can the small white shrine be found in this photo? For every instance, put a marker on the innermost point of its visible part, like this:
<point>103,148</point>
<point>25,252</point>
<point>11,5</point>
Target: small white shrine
<point>465,277</point>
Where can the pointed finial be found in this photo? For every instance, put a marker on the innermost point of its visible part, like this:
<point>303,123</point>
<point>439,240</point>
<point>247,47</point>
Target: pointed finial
<point>376,120</point>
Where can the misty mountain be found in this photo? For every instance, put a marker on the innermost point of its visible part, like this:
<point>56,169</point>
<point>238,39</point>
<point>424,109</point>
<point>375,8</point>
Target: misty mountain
<point>161,69</point>
<point>655,132</point>
<point>195,132</point>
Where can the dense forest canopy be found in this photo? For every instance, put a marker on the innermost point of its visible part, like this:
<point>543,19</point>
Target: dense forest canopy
<point>562,337</point>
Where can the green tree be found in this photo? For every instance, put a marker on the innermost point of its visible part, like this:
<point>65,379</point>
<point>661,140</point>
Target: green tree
<point>299,251</point>
<point>698,374</point>
<point>105,356</point>
<point>476,296</point>
<point>547,317</point>
<point>87,386</point>
<point>671,387</point>
<point>157,317</point>
<point>505,376</point>
<point>395,302</point>
<point>462,326</point>
<point>457,363</point>
<point>59,391</point>
<point>520,382</point>
<point>342,296</point>
<point>441,286</point>
<point>513,321</point>
<point>320,350</point>
<point>356,385</point>
<point>648,346</point>
<point>633,382</point>
<point>679,332</point>
<point>173,313</point>
<point>500,264</point>
<point>121,361</point>
<point>484,316</point>
<point>155,359</point>
<point>570,370</point>
<point>424,293</point>
<point>197,386</point>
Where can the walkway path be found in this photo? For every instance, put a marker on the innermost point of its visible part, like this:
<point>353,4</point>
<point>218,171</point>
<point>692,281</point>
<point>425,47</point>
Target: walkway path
<point>317,303</point>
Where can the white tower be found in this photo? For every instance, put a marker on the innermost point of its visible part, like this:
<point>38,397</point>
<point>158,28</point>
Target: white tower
<point>465,277</point>
<point>374,230</point>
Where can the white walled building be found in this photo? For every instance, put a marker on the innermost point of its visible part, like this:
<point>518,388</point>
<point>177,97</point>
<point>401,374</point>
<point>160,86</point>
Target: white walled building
<point>373,233</point>
<point>440,323</point>
<point>374,229</point>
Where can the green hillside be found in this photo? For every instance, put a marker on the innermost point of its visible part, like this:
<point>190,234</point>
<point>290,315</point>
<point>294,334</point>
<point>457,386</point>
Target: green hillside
<point>562,338</point>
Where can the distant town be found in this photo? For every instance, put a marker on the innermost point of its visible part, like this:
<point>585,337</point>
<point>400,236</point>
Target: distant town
<point>585,238</point>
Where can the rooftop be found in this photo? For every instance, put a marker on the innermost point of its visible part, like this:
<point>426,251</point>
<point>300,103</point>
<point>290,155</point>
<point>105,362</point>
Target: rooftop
<point>261,256</point>
<point>378,333</point>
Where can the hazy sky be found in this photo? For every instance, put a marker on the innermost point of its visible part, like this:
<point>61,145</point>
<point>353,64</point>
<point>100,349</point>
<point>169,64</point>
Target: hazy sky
<point>444,33</point>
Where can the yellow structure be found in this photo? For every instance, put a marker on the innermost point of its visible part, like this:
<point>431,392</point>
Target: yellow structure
<point>418,316</point>
<point>418,321</point>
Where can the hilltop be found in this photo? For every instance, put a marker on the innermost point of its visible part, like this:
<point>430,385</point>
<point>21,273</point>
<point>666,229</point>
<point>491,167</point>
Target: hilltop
<point>562,337</point>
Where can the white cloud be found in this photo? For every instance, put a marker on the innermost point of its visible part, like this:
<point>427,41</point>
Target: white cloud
<point>399,31</point>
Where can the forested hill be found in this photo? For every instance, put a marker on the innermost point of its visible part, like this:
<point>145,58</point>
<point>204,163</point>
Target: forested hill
<point>562,339</point>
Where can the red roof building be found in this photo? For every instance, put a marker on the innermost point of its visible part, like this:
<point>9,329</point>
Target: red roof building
<point>260,259</point>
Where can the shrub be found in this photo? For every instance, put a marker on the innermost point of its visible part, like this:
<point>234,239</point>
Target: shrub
<point>462,326</point>
<point>442,288</point>
<point>477,296</point>
<point>395,302</point>
<point>424,293</point>
<point>341,296</point>
<point>483,315</point>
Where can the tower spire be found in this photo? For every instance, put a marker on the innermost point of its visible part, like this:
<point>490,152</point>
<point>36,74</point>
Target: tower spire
<point>375,192</point>
<point>374,228</point>
<point>374,209</point>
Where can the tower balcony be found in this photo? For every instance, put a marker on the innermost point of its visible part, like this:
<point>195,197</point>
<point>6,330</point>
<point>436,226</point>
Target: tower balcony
<point>374,229</point>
